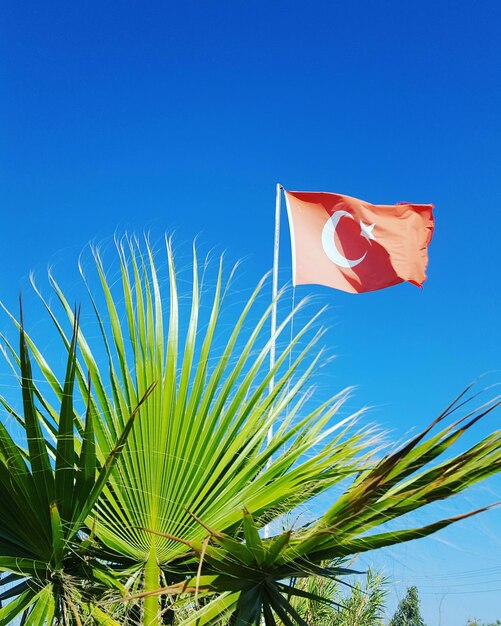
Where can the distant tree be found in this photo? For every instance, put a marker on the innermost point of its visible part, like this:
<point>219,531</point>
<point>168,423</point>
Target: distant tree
<point>476,622</point>
<point>364,606</point>
<point>408,613</point>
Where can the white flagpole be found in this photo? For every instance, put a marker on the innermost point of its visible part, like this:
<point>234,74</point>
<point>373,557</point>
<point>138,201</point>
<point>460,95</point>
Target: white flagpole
<point>276,248</point>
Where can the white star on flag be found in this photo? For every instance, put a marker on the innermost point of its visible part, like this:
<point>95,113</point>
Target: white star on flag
<point>367,231</point>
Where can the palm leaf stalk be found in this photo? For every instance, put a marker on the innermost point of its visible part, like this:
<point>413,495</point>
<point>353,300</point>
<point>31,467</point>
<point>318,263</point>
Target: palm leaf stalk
<point>170,514</point>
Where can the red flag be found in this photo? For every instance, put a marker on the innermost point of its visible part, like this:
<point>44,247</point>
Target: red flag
<point>355,246</point>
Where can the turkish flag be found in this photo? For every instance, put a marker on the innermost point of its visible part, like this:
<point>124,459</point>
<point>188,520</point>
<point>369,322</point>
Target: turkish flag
<point>355,246</point>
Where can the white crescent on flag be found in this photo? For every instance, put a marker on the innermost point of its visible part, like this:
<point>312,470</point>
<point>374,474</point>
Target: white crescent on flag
<point>329,243</point>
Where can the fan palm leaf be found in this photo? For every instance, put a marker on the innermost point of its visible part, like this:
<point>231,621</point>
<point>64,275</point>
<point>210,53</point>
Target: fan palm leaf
<point>199,447</point>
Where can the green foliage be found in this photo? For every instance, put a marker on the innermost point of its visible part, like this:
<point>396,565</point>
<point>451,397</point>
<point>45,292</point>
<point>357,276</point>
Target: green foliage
<point>363,606</point>
<point>408,613</point>
<point>158,519</point>
<point>47,493</point>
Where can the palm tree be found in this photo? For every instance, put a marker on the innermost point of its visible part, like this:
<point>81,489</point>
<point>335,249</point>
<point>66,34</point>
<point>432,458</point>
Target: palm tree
<point>178,519</point>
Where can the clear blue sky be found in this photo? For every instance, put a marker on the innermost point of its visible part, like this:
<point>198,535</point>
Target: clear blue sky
<point>182,117</point>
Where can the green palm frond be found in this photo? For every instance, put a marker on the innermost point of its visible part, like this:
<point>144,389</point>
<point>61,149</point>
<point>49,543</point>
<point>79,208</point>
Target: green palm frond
<point>400,482</point>
<point>166,510</point>
<point>47,493</point>
<point>200,443</point>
